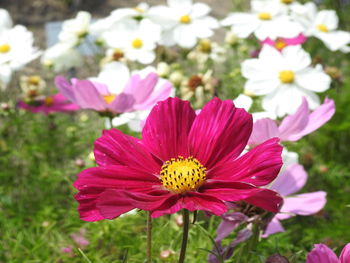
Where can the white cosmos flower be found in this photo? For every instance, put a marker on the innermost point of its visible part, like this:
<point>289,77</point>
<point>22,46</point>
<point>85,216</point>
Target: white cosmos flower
<point>73,30</point>
<point>184,22</point>
<point>16,47</point>
<point>266,20</point>
<point>61,57</point>
<point>283,78</point>
<point>5,20</point>
<point>137,40</point>
<point>246,102</point>
<point>323,25</point>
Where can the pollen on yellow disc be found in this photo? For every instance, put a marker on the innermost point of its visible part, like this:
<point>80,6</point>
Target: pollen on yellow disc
<point>34,80</point>
<point>48,101</point>
<point>138,9</point>
<point>280,44</point>
<point>287,2</point>
<point>5,48</point>
<point>186,19</point>
<point>109,98</point>
<point>322,28</point>
<point>264,16</point>
<point>181,175</point>
<point>137,43</point>
<point>287,76</point>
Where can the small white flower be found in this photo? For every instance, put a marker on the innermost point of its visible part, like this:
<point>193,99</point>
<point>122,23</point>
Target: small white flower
<point>266,20</point>
<point>184,23</point>
<point>137,40</point>
<point>5,20</point>
<point>246,102</point>
<point>61,56</point>
<point>73,30</point>
<point>322,25</point>
<point>283,78</point>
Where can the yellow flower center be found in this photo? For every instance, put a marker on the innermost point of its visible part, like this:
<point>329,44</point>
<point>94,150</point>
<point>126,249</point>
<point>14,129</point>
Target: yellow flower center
<point>34,80</point>
<point>264,16</point>
<point>139,9</point>
<point>287,76</point>
<point>48,101</point>
<point>287,2</point>
<point>280,44</point>
<point>182,175</point>
<point>323,28</point>
<point>137,43</point>
<point>109,98</point>
<point>5,48</point>
<point>186,19</point>
<point>205,46</point>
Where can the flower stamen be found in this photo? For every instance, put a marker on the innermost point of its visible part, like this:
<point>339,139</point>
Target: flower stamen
<point>137,43</point>
<point>280,44</point>
<point>322,28</point>
<point>48,101</point>
<point>264,16</point>
<point>186,19</point>
<point>109,98</point>
<point>181,175</point>
<point>287,76</point>
<point>5,48</point>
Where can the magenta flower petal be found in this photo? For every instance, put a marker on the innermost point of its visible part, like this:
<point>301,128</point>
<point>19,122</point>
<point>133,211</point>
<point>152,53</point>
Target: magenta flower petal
<point>141,89</point>
<point>219,123</point>
<point>291,180</point>
<point>266,199</point>
<point>116,148</point>
<point>263,130</point>
<point>201,201</point>
<point>345,254</point>
<point>92,182</point>
<point>166,130</point>
<point>259,166</point>
<point>304,204</point>
<point>321,254</point>
<point>112,203</point>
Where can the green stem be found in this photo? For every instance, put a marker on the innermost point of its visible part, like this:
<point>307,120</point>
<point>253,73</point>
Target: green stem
<point>149,237</point>
<point>186,218</point>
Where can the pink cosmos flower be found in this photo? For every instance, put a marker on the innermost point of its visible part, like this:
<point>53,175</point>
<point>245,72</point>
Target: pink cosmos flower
<point>281,43</point>
<point>138,94</point>
<point>295,126</point>
<point>323,254</point>
<point>49,104</point>
<point>287,183</point>
<point>183,160</point>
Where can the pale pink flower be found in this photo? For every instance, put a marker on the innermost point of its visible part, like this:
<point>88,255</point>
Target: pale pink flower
<point>294,126</point>
<point>323,254</point>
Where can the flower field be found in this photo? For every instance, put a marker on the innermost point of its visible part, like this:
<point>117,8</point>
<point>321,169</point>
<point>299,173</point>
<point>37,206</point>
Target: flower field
<point>175,131</point>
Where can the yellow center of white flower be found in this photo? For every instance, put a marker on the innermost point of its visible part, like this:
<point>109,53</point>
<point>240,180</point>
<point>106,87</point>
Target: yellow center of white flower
<point>109,98</point>
<point>186,19</point>
<point>264,16</point>
<point>182,175</point>
<point>322,28</point>
<point>34,80</point>
<point>137,43</point>
<point>5,48</point>
<point>205,45</point>
<point>139,9</point>
<point>287,76</point>
<point>287,2</point>
<point>48,101</point>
